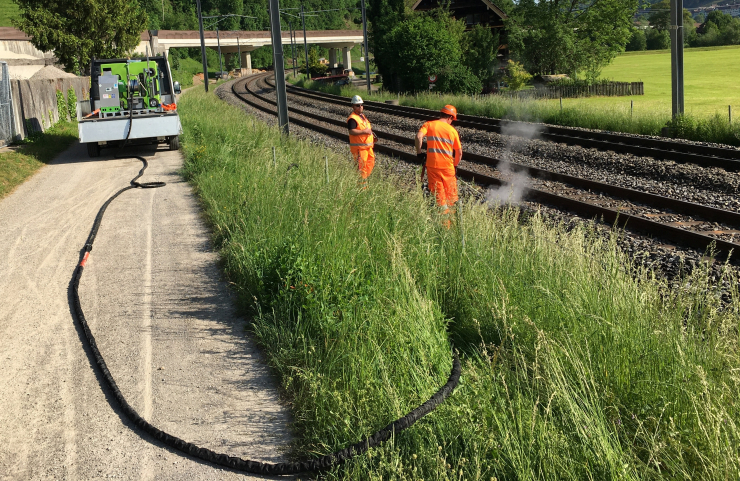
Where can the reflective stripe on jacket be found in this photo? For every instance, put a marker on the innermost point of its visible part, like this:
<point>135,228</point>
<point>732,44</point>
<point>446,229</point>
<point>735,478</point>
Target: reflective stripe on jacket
<point>442,141</point>
<point>364,141</point>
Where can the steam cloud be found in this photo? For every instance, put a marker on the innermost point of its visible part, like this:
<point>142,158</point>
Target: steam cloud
<point>512,193</point>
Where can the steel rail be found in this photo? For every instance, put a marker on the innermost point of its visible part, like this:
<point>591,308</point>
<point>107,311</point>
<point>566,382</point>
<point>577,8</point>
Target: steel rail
<point>721,248</point>
<point>704,156</point>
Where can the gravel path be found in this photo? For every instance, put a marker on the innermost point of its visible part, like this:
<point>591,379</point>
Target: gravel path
<point>162,318</point>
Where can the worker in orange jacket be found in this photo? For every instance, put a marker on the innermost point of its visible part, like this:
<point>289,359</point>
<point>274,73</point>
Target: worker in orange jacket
<point>444,152</point>
<point>361,139</point>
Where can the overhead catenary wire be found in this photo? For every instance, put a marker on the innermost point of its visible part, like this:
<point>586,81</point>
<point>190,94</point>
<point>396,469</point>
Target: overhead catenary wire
<point>255,467</point>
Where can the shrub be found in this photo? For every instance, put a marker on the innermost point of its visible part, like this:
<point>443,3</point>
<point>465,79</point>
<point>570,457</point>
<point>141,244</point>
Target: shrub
<point>459,79</point>
<point>62,109</point>
<point>657,39</point>
<point>517,76</point>
<point>637,42</point>
<point>72,103</point>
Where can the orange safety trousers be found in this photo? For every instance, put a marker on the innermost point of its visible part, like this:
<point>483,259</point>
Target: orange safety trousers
<point>443,184</point>
<point>365,159</point>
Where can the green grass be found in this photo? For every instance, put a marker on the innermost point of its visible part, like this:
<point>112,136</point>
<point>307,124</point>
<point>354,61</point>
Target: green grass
<point>710,80</point>
<point>17,166</point>
<point>188,68</point>
<point>8,10</point>
<point>573,368</point>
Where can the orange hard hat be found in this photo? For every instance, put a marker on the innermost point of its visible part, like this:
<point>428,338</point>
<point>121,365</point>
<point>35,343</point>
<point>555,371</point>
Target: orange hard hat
<point>450,110</point>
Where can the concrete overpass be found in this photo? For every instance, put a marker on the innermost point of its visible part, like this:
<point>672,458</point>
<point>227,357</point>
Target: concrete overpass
<point>159,42</point>
<point>24,59</point>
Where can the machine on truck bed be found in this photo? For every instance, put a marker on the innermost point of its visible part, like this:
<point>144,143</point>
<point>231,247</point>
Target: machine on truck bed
<point>131,101</point>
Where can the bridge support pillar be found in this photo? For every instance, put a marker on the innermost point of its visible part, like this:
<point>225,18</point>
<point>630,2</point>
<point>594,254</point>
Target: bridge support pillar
<point>246,63</point>
<point>332,57</point>
<point>347,58</point>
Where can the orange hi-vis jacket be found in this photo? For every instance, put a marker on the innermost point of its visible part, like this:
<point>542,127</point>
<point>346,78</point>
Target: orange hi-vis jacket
<point>442,141</point>
<point>360,142</point>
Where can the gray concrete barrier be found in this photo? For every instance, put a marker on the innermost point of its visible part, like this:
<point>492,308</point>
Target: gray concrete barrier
<point>35,101</point>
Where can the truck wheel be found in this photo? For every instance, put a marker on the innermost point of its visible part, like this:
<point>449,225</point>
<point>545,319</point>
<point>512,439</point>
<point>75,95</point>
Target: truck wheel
<point>93,149</point>
<point>174,142</point>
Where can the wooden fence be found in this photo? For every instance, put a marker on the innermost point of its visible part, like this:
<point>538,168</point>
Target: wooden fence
<point>611,89</point>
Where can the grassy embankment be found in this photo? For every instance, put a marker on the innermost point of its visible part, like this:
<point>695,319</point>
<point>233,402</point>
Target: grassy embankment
<point>572,368</point>
<point>710,86</point>
<point>188,68</point>
<point>8,9</point>
<point>20,164</point>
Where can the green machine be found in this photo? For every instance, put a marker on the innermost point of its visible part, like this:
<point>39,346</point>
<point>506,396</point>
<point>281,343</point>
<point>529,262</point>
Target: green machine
<point>131,85</point>
<point>131,101</point>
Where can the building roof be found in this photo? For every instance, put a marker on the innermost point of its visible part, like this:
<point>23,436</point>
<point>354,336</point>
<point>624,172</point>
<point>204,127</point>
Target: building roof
<point>10,33</point>
<point>488,4</point>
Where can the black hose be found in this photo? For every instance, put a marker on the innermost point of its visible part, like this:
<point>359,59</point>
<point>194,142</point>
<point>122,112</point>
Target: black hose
<point>205,454</point>
<point>129,100</point>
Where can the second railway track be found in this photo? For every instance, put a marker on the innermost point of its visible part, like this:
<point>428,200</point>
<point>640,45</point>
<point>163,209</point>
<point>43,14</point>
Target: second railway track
<point>703,155</point>
<point>691,224</point>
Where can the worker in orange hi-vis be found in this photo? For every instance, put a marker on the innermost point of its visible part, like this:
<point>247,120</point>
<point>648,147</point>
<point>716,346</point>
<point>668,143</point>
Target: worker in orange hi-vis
<point>444,152</point>
<point>361,139</point>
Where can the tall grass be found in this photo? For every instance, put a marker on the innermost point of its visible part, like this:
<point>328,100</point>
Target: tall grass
<point>574,113</point>
<point>573,368</point>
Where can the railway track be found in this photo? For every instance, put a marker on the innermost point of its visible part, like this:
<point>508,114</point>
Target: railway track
<point>691,224</point>
<point>706,156</point>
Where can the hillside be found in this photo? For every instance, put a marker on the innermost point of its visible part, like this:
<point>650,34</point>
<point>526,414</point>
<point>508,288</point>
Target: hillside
<point>8,9</point>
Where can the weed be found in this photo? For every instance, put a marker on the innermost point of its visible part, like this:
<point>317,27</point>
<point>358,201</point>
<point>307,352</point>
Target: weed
<point>72,104</point>
<point>62,106</point>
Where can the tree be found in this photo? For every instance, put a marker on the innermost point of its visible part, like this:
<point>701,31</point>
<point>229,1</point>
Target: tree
<point>720,19</point>
<point>637,42</point>
<point>660,18</point>
<point>428,44</point>
<point>77,30</point>
<point>657,39</point>
<point>549,36</point>
<point>517,77</point>
<point>262,57</point>
<point>316,68</point>
<point>480,47</point>
<point>385,15</point>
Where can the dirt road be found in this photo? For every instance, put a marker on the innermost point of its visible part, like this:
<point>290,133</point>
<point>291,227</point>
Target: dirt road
<point>162,318</point>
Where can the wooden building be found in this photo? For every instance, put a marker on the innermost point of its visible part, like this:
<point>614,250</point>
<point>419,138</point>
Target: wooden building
<point>474,12</point>
<point>477,12</point>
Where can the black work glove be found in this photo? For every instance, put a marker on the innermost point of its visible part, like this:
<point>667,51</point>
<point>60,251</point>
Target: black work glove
<point>421,157</point>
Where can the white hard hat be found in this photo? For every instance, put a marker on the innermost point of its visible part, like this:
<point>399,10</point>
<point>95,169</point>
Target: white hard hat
<point>356,100</point>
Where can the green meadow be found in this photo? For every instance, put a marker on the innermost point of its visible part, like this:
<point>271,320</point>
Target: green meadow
<point>711,81</point>
<point>8,10</point>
